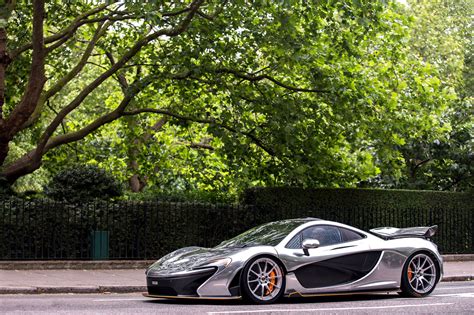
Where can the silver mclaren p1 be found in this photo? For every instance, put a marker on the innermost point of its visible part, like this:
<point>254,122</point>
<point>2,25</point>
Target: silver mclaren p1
<point>301,257</point>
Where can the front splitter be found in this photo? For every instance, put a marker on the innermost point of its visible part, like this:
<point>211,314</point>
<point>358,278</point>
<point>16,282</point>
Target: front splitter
<point>184,297</point>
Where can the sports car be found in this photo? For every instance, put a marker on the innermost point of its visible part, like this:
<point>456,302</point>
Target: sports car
<point>301,257</point>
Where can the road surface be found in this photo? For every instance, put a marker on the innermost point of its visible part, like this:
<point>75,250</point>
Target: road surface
<point>448,298</point>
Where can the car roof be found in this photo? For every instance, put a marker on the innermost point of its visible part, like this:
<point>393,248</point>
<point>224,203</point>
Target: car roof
<point>301,220</point>
<point>307,219</point>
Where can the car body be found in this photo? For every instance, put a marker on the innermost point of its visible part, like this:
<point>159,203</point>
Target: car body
<point>301,257</point>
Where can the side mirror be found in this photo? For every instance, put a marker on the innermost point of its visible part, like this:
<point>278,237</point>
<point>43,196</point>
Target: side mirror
<point>309,243</point>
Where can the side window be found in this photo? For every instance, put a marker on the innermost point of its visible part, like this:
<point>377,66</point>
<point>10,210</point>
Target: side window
<point>325,234</point>
<point>349,236</point>
<point>295,242</point>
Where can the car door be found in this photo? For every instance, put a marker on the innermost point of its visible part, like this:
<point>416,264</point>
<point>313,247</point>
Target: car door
<point>343,256</point>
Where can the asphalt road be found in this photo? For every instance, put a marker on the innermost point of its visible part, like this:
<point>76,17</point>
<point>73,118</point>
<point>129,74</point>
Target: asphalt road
<point>448,298</point>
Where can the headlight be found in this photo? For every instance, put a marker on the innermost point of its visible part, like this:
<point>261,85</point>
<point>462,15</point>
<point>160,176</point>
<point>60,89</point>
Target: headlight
<point>219,262</point>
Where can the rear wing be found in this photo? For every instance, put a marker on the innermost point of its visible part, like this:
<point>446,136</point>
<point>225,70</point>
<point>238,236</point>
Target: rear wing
<point>391,232</point>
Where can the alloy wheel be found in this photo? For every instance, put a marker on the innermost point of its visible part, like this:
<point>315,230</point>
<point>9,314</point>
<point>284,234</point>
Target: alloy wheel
<point>264,279</point>
<point>421,273</point>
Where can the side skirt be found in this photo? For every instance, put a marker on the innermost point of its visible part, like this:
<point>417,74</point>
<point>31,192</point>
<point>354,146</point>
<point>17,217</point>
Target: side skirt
<point>298,294</point>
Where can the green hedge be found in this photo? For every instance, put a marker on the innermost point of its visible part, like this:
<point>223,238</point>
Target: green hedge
<point>44,229</point>
<point>369,208</point>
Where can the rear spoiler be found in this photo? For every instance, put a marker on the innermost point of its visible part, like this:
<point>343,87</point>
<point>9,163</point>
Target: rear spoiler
<point>391,232</point>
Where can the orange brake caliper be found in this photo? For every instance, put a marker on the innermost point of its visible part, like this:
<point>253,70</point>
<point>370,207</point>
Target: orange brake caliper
<point>272,282</point>
<point>410,273</point>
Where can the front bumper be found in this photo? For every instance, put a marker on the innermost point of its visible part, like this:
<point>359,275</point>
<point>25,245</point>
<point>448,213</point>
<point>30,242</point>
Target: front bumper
<point>177,285</point>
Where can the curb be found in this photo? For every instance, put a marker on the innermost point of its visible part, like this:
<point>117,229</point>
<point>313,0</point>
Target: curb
<point>458,278</point>
<point>127,289</point>
<point>459,257</point>
<point>75,264</point>
<point>75,290</point>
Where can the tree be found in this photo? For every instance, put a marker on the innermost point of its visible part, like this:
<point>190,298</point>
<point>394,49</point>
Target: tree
<point>26,112</point>
<point>284,92</point>
<point>442,158</point>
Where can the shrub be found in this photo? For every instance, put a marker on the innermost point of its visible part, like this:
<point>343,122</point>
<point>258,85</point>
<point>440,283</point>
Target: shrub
<point>5,189</point>
<point>45,229</point>
<point>182,196</point>
<point>369,208</point>
<point>83,183</point>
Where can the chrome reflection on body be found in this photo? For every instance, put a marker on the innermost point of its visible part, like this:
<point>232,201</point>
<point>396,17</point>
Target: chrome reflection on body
<point>218,284</point>
<point>310,243</point>
<point>421,273</point>
<point>230,261</point>
<point>264,279</point>
<point>384,276</point>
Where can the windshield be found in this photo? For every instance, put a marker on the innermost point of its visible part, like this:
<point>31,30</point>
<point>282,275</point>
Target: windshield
<point>266,234</point>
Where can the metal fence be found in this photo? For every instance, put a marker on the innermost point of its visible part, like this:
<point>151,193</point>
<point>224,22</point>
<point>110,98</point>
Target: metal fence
<point>42,229</point>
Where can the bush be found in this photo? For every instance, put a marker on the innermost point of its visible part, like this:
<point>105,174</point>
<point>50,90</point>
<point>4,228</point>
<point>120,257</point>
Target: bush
<point>5,189</point>
<point>182,196</point>
<point>369,208</point>
<point>83,183</point>
<point>44,229</point>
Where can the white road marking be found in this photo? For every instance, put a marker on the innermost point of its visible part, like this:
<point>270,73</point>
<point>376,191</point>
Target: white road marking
<point>464,294</point>
<point>118,300</point>
<point>454,288</point>
<point>329,309</point>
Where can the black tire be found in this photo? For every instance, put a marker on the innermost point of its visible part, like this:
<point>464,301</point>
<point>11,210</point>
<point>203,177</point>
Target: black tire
<point>262,280</point>
<point>420,275</point>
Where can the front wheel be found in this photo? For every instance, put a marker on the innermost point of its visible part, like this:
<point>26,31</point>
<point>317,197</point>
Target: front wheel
<point>263,280</point>
<point>420,275</point>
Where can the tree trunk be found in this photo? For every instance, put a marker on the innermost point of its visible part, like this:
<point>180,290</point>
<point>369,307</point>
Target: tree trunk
<point>36,79</point>
<point>25,165</point>
<point>4,61</point>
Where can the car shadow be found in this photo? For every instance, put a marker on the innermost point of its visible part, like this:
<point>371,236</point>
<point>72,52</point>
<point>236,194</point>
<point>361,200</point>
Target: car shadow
<point>194,302</point>
<point>340,298</point>
<point>292,300</point>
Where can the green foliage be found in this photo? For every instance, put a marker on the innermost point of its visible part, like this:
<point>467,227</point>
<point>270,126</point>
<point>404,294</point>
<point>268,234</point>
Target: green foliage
<point>327,94</point>
<point>44,229</point>
<point>83,183</point>
<point>369,208</point>
<point>182,196</point>
<point>439,155</point>
<point>5,188</point>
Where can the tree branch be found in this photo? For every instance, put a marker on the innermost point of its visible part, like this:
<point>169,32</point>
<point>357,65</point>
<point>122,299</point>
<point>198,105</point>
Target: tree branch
<point>456,181</point>
<point>100,31</point>
<point>175,31</point>
<point>199,145</point>
<point>120,77</point>
<point>214,122</point>
<point>67,32</point>
<point>212,16</point>
<point>129,94</point>
<point>419,164</point>
<point>253,78</point>
<point>32,160</point>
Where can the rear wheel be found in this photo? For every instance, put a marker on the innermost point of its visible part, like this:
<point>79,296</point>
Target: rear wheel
<point>263,280</point>
<point>420,275</point>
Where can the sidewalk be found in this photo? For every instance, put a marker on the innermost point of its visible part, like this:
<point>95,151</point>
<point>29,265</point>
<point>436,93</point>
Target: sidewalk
<point>129,280</point>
